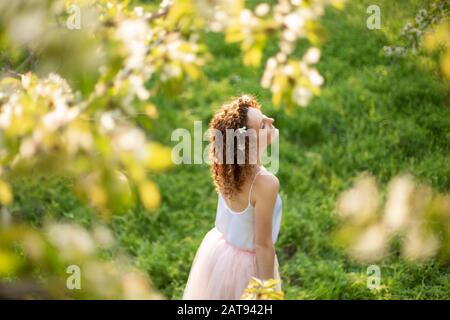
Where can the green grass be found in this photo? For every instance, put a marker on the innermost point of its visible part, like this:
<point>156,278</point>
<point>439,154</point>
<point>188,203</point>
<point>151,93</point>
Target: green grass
<point>374,114</point>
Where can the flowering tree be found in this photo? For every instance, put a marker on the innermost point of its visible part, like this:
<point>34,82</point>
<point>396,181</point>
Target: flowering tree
<point>413,217</point>
<point>412,214</point>
<point>75,91</point>
<point>429,29</point>
<point>440,38</point>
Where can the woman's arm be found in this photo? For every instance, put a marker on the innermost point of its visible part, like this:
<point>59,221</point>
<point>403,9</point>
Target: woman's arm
<point>266,190</point>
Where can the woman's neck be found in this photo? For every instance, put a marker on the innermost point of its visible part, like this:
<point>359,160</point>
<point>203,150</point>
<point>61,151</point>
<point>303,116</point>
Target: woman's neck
<point>259,157</point>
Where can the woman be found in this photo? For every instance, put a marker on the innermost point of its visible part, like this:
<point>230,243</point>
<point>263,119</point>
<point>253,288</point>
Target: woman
<point>248,218</point>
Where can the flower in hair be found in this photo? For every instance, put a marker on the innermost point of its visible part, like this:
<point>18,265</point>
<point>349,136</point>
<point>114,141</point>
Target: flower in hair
<point>242,130</point>
<point>241,140</point>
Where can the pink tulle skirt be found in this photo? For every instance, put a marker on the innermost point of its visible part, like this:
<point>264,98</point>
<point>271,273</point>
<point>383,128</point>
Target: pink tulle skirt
<point>221,271</point>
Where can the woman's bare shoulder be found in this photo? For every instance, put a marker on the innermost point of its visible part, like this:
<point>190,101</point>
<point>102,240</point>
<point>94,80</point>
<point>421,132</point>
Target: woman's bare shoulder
<point>266,184</point>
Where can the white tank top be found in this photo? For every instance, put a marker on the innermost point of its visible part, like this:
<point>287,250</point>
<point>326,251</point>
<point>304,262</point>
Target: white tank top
<point>238,228</point>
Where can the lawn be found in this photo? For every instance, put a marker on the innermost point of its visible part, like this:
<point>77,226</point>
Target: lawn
<point>377,114</point>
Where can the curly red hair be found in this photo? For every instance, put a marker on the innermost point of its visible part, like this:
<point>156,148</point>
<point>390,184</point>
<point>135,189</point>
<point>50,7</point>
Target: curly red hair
<point>228,178</point>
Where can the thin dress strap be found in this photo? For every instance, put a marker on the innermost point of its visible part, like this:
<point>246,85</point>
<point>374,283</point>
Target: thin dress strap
<point>251,186</point>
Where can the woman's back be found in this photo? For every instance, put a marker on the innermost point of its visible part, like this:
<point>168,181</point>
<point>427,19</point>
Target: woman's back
<point>238,226</point>
<point>226,259</point>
